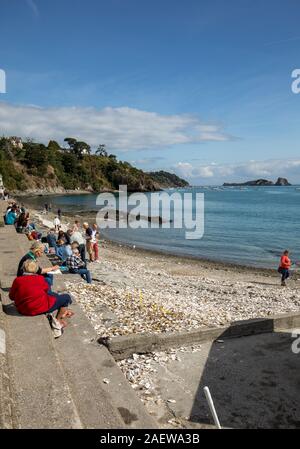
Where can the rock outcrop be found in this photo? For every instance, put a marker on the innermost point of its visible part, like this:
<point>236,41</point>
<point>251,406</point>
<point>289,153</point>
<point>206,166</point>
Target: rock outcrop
<point>282,182</point>
<point>259,182</point>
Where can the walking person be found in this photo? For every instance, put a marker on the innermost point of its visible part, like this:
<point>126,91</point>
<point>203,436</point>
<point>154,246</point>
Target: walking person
<point>284,267</point>
<point>89,240</point>
<point>95,239</point>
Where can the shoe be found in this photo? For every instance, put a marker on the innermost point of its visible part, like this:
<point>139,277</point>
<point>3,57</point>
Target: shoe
<point>283,284</point>
<point>55,325</point>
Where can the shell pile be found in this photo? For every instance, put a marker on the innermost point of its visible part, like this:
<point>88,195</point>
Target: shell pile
<point>161,307</point>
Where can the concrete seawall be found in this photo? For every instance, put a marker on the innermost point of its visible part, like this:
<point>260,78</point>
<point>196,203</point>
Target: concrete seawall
<point>48,383</point>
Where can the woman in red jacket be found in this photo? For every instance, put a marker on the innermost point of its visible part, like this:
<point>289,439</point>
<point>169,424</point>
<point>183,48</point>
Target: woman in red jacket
<point>284,267</point>
<point>32,296</point>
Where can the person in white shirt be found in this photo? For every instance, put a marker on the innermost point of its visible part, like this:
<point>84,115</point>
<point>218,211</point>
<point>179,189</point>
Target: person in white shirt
<point>56,223</point>
<point>77,237</point>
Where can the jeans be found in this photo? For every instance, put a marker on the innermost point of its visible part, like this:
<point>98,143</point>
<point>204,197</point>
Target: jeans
<point>49,279</point>
<point>284,274</point>
<point>81,249</point>
<point>63,300</point>
<point>84,273</point>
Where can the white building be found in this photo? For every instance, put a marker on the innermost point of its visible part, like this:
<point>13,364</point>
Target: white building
<point>16,142</point>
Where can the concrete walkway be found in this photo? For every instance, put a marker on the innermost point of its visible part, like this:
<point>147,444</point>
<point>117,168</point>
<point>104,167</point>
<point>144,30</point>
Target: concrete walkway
<point>71,382</point>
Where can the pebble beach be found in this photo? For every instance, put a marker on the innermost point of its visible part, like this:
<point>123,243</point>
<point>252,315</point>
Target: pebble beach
<point>137,291</point>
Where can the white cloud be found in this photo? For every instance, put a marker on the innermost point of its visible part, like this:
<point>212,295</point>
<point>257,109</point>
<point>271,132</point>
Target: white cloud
<point>240,172</point>
<point>123,128</point>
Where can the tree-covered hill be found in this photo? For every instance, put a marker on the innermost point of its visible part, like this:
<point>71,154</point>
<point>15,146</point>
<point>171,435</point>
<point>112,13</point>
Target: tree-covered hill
<point>166,179</point>
<point>31,166</point>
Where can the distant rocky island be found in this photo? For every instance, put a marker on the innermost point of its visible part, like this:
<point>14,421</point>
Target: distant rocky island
<point>259,182</point>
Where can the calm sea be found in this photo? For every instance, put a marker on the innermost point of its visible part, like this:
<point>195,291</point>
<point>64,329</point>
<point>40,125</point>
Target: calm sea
<point>248,226</point>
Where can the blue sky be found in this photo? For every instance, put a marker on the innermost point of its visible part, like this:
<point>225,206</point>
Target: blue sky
<point>201,88</point>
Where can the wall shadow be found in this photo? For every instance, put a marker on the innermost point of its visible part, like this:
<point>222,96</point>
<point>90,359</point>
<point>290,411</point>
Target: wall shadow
<point>254,382</point>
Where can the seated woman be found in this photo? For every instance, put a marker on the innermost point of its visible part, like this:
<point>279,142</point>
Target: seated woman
<point>63,236</point>
<point>32,295</point>
<point>11,216</point>
<point>62,250</point>
<point>33,235</point>
<point>37,250</point>
<point>21,222</point>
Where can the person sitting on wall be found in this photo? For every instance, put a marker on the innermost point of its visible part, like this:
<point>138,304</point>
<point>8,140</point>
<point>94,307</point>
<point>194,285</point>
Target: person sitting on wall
<point>11,215</point>
<point>51,239</point>
<point>36,251</point>
<point>21,223</point>
<point>77,266</point>
<point>63,251</point>
<point>63,236</point>
<point>32,295</point>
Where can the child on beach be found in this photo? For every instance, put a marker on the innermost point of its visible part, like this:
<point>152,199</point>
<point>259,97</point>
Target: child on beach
<point>57,223</point>
<point>284,267</point>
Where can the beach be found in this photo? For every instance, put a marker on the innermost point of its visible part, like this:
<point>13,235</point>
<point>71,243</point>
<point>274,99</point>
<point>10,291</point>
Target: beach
<point>137,290</point>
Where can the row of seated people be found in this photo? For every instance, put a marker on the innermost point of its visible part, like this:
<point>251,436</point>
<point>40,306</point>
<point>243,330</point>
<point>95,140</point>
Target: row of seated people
<point>32,292</point>
<point>18,216</point>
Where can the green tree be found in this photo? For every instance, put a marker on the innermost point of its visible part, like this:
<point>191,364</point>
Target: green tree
<point>71,142</point>
<point>36,157</point>
<point>101,150</point>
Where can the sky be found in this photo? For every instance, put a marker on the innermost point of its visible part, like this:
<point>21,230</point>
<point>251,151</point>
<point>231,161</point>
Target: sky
<point>201,88</point>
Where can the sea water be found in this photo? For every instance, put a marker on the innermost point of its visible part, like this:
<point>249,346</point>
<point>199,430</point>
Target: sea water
<point>249,225</point>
